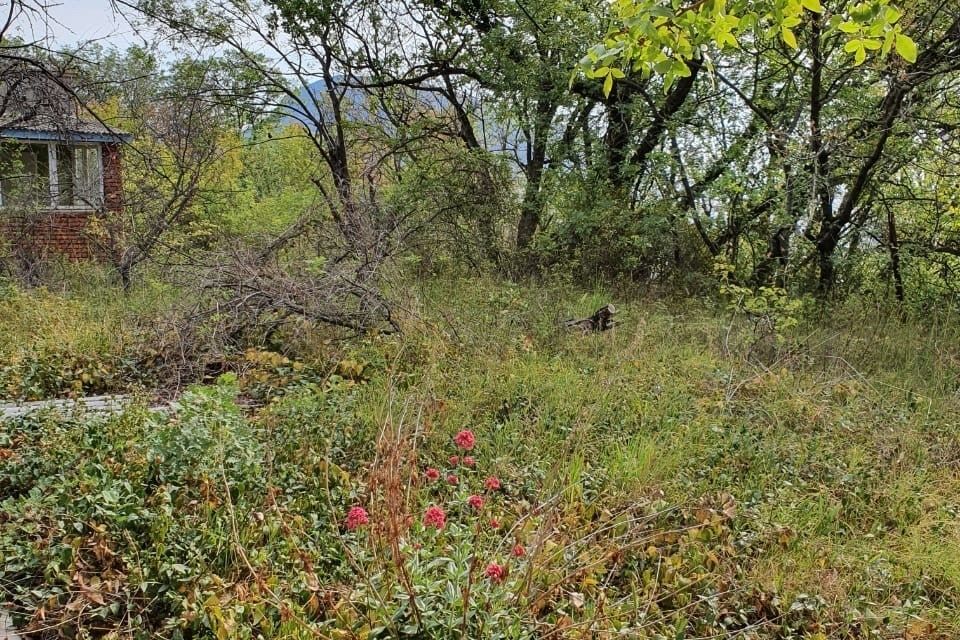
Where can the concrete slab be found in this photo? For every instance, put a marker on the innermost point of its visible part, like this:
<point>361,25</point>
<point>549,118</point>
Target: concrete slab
<point>95,404</point>
<point>7,632</point>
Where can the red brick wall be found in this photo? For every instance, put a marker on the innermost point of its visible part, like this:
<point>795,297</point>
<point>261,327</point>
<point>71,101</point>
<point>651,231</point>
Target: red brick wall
<point>47,232</point>
<point>63,233</point>
<point>112,177</point>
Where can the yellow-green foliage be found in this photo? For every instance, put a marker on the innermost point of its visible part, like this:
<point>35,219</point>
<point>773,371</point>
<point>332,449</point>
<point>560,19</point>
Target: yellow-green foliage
<point>80,343</point>
<point>277,177</point>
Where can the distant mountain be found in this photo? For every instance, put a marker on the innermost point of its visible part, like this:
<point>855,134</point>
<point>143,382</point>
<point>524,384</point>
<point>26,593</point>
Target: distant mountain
<point>495,135</point>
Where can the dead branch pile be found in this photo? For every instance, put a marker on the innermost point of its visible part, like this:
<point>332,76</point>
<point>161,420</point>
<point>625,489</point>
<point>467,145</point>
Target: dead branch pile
<point>244,300</point>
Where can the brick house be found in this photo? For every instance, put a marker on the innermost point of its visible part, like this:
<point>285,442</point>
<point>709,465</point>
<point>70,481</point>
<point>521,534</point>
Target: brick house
<point>57,168</point>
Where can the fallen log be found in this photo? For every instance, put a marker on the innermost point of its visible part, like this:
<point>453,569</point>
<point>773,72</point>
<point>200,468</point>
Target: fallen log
<point>601,320</point>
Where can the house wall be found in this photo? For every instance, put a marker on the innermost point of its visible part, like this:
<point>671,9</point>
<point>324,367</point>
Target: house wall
<point>112,177</point>
<point>64,232</point>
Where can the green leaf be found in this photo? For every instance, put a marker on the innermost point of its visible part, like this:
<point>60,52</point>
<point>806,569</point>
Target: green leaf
<point>668,81</point>
<point>660,12</point>
<point>789,38</point>
<point>860,56</point>
<point>664,66</point>
<point>812,5</point>
<point>906,48</point>
<point>887,44</point>
<point>608,85</point>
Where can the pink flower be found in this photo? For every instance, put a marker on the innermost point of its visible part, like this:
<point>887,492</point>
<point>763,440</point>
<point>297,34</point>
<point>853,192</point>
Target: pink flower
<point>453,479</point>
<point>469,461</point>
<point>454,461</point>
<point>465,440</point>
<point>496,572</point>
<point>518,551</point>
<point>356,518</point>
<point>494,523</point>
<point>434,517</point>
<point>475,501</point>
<point>492,483</point>
<point>432,474</point>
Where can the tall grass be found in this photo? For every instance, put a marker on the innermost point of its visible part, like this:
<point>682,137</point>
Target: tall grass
<point>829,465</point>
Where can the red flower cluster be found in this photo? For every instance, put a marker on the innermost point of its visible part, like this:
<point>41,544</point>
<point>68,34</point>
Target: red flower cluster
<point>465,440</point>
<point>356,518</point>
<point>434,517</point>
<point>496,572</point>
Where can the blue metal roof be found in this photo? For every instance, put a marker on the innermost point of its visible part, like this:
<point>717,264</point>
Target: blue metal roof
<point>64,136</point>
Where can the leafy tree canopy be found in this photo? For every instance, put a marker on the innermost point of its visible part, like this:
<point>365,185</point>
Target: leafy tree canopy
<point>663,36</point>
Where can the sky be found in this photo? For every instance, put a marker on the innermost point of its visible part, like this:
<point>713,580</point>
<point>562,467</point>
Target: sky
<point>75,21</point>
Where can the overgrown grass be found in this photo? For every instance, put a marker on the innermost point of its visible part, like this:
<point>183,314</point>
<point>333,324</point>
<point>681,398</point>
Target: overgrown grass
<point>814,493</point>
<point>87,337</point>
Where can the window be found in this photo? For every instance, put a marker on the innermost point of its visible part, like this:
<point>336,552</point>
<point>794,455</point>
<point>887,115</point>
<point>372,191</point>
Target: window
<point>87,178</point>
<point>78,176</point>
<point>51,175</point>
<point>25,175</point>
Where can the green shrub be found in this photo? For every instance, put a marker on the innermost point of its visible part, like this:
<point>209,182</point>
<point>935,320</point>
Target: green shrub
<point>144,524</point>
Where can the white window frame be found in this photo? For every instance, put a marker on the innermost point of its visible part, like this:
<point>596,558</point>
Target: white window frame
<point>54,175</point>
<point>55,183</point>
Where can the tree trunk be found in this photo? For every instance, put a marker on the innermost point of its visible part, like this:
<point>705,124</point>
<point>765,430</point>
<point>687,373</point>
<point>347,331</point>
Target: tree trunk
<point>774,263</point>
<point>893,245</point>
<point>930,63</point>
<point>616,139</point>
<point>530,208</point>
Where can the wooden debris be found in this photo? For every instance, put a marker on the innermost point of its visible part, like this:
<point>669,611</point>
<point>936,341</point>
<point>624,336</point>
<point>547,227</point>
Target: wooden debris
<point>601,320</point>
